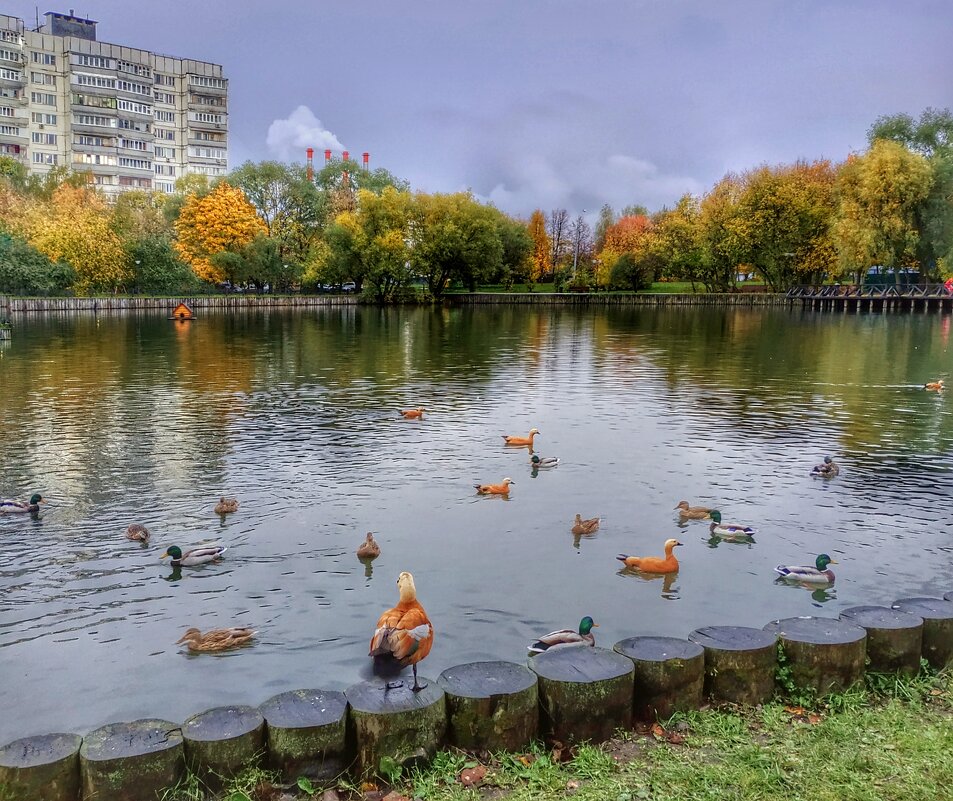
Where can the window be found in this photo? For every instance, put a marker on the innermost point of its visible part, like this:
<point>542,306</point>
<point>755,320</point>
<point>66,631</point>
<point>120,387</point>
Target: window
<point>208,152</point>
<point>43,119</point>
<point>9,55</point>
<point>91,119</point>
<point>164,97</point>
<point>10,150</point>
<point>165,186</point>
<point>43,138</point>
<point>94,141</point>
<point>204,116</point>
<point>136,69</point>
<point>165,116</point>
<point>207,100</point>
<point>203,80</point>
<point>102,159</point>
<point>205,169</point>
<point>136,108</point>
<point>43,78</point>
<point>165,169</point>
<point>141,183</point>
<point>164,152</point>
<point>133,144</point>
<point>133,125</point>
<point>135,88</point>
<point>45,158</point>
<point>103,180</point>
<point>11,75</point>
<point>206,136</point>
<point>96,101</point>
<point>6,111</point>
<point>164,133</point>
<point>9,130</point>
<point>136,164</point>
<point>164,80</point>
<point>43,99</point>
<point>44,58</point>
<point>85,60</point>
<point>102,81</point>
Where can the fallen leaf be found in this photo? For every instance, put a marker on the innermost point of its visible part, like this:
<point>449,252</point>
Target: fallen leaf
<point>794,710</point>
<point>658,732</point>
<point>527,759</point>
<point>572,784</point>
<point>675,738</point>
<point>814,718</point>
<point>472,776</point>
<point>393,795</point>
<point>366,786</point>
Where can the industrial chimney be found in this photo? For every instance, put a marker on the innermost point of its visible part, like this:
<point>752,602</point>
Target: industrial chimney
<point>327,156</point>
<point>310,152</point>
<point>366,157</point>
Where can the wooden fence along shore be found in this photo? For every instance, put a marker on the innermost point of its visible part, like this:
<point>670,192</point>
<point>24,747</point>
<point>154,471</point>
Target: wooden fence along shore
<point>106,304</point>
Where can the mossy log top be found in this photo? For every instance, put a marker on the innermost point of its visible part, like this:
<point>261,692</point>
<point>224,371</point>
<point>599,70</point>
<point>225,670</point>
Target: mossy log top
<point>894,638</point>
<point>927,608</point>
<point>307,732</point>
<point>486,679</point>
<point>881,617</point>
<point>937,617</point>
<point>376,698</point>
<point>658,649</point>
<point>125,740</point>
<point>42,768</point>
<point>580,665</point>
<point>816,630</point>
<point>740,663</point>
<point>304,709</point>
<point>224,740</point>
<point>733,638</point>
<point>222,723</point>
<point>669,674</point>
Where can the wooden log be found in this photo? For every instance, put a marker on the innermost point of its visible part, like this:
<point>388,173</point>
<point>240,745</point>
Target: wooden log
<point>823,654</point>
<point>131,761</point>
<point>584,693</point>
<point>491,706</point>
<point>740,663</point>
<point>669,675</point>
<point>220,742</point>
<point>398,723</point>
<point>937,617</point>
<point>43,768</point>
<point>307,733</point>
<point>894,638</point>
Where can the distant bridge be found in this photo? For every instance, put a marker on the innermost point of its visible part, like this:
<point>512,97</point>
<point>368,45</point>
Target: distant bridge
<point>875,297</point>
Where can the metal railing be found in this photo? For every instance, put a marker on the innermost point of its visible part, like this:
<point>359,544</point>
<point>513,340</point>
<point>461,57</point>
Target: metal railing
<point>872,291</point>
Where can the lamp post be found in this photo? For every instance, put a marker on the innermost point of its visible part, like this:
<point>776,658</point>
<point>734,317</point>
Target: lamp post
<point>575,257</point>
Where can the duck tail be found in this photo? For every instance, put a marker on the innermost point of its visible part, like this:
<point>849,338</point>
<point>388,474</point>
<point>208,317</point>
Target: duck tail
<point>622,557</point>
<point>537,647</point>
<point>782,570</point>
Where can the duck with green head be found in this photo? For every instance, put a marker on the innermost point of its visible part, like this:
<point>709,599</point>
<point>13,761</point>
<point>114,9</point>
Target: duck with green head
<point>566,637</point>
<point>15,507</point>
<point>820,574</point>
<point>727,530</point>
<point>197,556</point>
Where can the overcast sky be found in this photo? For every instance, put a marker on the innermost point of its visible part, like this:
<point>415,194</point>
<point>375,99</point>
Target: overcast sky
<point>553,103</point>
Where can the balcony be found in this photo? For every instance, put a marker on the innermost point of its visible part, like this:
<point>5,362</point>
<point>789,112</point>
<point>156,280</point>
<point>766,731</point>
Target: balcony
<point>103,148</point>
<point>7,81</point>
<point>195,141</point>
<point>205,90</point>
<point>20,119</point>
<point>95,169</point>
<point>18,59</point>
<point>207,126</point>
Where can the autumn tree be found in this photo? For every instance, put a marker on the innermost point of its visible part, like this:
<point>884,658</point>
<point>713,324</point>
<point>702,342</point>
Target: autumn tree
<point>628,240</point>
<point>722,248</point>
<point>221,221</point>
<point>678,240</point>
<point>879,194</point>
<point>541,264</point>
<point>559,236</point>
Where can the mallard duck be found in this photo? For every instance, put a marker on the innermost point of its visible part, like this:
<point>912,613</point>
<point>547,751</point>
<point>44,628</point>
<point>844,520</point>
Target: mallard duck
<point>197,556</point>
<point>583,527</point>
<point>404,634</point>
<point>542,462</point>
<point>137,532</point>
<point>687,512</point>
<point>412,414</point>
<point>827,469</point>
<point>226,506</point>
<point>216,639</point>
<point>13,507</point>
<point>653,564</point>
<point>935,386</point>
<point>820,574</point>
<point>720,529</point>
<point>495,489</point>
<point>566,637</point>
<point>522,441</point>
<point>369,549</point>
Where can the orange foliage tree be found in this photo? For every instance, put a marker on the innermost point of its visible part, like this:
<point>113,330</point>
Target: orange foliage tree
<point>540,258</point>
<point>223,221</point>
<point>630,236</point>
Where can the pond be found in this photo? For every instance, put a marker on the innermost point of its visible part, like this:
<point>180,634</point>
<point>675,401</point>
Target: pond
<point>138,419</point>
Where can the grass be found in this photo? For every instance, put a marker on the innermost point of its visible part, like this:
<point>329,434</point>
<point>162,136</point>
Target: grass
<point>887,741</point>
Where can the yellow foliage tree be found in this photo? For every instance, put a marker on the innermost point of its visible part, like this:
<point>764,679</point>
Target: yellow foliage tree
<point>221,221</point>
<point>540,259</point>
<point>74,226</point>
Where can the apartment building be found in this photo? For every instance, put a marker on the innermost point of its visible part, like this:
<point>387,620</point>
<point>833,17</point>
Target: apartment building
<point>128,118</point>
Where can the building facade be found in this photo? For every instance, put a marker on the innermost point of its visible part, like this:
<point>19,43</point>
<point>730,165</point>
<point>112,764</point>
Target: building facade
<point>128,118</point>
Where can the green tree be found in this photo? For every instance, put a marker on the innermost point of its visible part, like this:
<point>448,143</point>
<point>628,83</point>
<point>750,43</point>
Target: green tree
<point>722,249</point>
<point>24,270</point>
<point>678,240</point>
<point>156,269</point>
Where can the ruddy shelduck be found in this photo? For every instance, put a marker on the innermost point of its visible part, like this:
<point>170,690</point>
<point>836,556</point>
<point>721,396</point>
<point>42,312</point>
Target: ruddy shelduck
<point>404,634</point>
<point>412,414</point>
<point>653,564</point>
<point>936,386</point>
<point>522,441</point>
<point>502,488</point>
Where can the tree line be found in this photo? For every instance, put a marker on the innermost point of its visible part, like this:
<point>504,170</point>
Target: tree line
<point>271,226</point>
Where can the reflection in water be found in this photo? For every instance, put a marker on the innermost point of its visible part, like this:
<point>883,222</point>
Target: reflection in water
<point>368,566</point>
<point>130,417</point>
<point>819,594</point>
<point>732,539</point>
<point>175,575</point>
<point>669,590</point>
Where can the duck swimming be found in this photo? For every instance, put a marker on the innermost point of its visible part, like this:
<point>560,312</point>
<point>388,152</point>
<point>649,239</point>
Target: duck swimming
<point>197,556</point>
<point>369,549</point>
<point>412,414</point>
<point>226,506</point>
<point>935,386</point>
<point>820,574</point>
<point>543,462</point>
<point>216,639</point>
<point>653,564</point>
<point>404,634</point>
<point>687,512</point>
<point>137,532</point>
<point>16,507</point>
<point>583,527</point>
<point>495,489</point>
<point>566,637</point>
<point>827,469</point>
<point>522,441</point>
<point>728,529</point>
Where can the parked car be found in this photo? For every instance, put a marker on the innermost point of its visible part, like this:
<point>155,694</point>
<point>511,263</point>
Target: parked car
<point>348,286</point>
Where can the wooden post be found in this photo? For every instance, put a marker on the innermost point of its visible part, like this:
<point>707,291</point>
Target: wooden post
<point>223,741</point>
<point>739,663</point>
<point>307,733</point>
<point>584,693</point>
<point>823,654</point>
<point>131,761</point>
<point>669,675</point>
<point>398,723</point>
<point>45,768</point>
<point>491,706</point>
<point>937,617</point>
<point>894,638</point>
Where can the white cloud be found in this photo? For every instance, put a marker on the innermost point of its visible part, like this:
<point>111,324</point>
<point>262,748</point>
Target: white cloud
<point>289,137</point>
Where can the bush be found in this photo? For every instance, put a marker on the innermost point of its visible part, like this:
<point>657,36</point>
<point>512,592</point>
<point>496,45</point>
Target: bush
<point>26,271</point>
<point>627,273</point>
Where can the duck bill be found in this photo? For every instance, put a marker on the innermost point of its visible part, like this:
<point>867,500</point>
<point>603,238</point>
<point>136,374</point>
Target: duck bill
<point>833,562</point>
<point>163,556</point>
<point>595,625</point>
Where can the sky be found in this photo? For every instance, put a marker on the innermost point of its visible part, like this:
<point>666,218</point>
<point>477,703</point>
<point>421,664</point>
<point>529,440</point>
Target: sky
<point>552,103</point>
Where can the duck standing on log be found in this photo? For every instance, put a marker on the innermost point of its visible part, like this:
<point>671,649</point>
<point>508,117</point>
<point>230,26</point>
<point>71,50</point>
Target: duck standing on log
<point>404,634</point>
<point>18,507</point>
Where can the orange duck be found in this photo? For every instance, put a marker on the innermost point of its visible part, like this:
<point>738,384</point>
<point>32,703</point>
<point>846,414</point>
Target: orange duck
<point>935,386</point>
<point>412,414</point>
<point>404,634</point>
<point>495,489</point>
<point>652,564</point>
<point>522,441</point>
